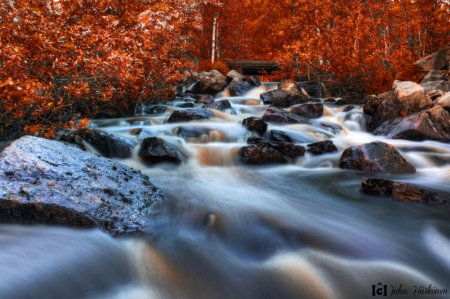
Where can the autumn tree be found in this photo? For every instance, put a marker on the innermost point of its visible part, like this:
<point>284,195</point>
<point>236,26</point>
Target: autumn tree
<point>75,59</point>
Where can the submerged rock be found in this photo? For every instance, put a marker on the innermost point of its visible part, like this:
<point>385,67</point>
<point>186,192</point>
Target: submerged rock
<point>47,182</point>
<point>308,110</point>
<point>155,150</point>
<point>110,145</point>
<point>190,114</point>
<point>283,117</point>
<point>158,109</point>
<point>376,156</point>
<point>278,135</point>
<point>321,147</point>
<point>203,98</point>
<point>219,105</point>
<point>255,124</point>
<point>402,191</point>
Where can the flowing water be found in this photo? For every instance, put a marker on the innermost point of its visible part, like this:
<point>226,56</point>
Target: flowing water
<point>299,230</point>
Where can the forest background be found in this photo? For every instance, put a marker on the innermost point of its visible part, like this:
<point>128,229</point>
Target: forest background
<point>63,62</point>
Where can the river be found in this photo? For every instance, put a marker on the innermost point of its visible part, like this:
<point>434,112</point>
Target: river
<point>298,230</point>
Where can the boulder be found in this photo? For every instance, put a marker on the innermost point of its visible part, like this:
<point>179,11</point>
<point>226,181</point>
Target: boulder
<point>402,191</point>
<point>255,154</point>
<point>158,109</point>
<point>436,85</point>
<point>282,98</point>
<point>280,136</point>
<point>308,110</point>
<point>433,75</point>
<point>155,150</point>
<point>203,98</point>
<point>314,89</point>
<point>255,124</point>
<point>254,81</point>
<point>109,145</point>
<point>219,105</point>
<point>190,114</point>
<point>283,117</point>
<point>377,157</point>
<point>211,82</point>
<point>47,182</point>
<point>286,148</point>
<point>287,85</point>
<point>436,61</point>
<point>239,87</point>
<point>430,124</point>
<point>321,147</point>
<point>232,75</point>
<point>407,98</point>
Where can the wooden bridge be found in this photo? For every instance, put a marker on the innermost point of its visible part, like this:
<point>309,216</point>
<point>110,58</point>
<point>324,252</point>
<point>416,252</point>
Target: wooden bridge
<point>253,67</point>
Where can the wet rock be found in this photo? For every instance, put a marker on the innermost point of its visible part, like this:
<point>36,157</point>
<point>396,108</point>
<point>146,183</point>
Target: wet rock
<point>282,98</point>
<point>402,191</point>
<point>372,103</point>
<point>219,105</point>
<point>203,98</point>
<point>232,75</point>
<point>321,147</point>
<point>277,135</point>
<point>308,110</point>
<point>255,124</point>
<point>430,124</point>
<point>286,148</point>
<point>332,127</point>
<point>283,117</point>
<point>183,104</point>
<point>407,98</point>
<point>254,81</point>
<point>376,156</point>
<point>287,85</point>
<point>314,89</point>
<point>211,82</point>
<point>110,145</point>
<point>255,154</point>
<point>190,114</point>
<point>158,109</point>
<point>239,87</point>
<point>155,150</point>
<point>348,108</point>
<point>47,182</point>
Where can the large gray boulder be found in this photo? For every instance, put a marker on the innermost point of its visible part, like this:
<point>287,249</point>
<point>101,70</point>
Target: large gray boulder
<point>45,181</point>
<point>211,82</point>
<point>282,98</point>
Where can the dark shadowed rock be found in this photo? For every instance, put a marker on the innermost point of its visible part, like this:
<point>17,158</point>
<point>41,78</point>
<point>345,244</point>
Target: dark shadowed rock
<point>283,117</point>
<point>430,124</point>
<point>234,75</point>
<point>277,135</point>
<point>158,109</point>
<point>47,182</point>
<point>314,89</point>
<point>321,147</point>
<point>402,191</point>
<point>183,104</point>
<point>203,98</point>
<point>155,150</point>
<point>211,82</point>
<point>110,145</point>
<point>407,98</point>
<point>282,98</point>
<point>376,156</point>
<point>239,87</point>
<point>190,114</point>
<point>348,108</point>
<point>255,154</point>
<point>262,151</point>
<point>308,110</point>
<point>219,105</point>
<point>255,124</point>
<point>254,81</point>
